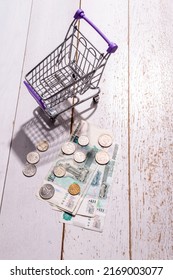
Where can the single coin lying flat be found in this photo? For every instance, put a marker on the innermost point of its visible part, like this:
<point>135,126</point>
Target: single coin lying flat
<point>102,157</point>
<point>105,140</point>
<point>74,189</point>
<point>47,191</point>
<point>79,156</point>
<point>29,170</point>
<point>83,140</point>
<point>68,148</point>
<point>59,171</point>
<point>33,157</point>
<point>42,146</point>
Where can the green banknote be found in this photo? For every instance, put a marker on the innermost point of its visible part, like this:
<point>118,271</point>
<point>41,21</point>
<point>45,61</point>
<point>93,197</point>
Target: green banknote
<point>96,223</point>
<point>87,208</point>
<point>100,187</point>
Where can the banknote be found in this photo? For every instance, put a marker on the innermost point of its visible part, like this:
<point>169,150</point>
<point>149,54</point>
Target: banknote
<point>88,207</point>
<point>89,204</point>
<point>96,223</point>
<point>93,132</point>
<point>81,174</point>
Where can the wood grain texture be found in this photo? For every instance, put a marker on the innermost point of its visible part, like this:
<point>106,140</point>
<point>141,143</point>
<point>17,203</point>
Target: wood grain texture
<point>135,104</point>
<point>151,129</point>
<point>28,228</point>
<point>14,18</point>
<point>111,113</point>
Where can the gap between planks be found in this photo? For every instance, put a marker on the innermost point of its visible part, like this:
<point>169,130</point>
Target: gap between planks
<point>129,174</point>
<point>71,129</point>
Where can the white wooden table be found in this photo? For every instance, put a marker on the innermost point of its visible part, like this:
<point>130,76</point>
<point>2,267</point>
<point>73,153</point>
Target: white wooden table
<point>136,103</point>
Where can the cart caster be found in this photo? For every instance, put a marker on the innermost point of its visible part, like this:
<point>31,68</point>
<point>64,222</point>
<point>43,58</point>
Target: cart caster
<point>96,98</point>
<point>53,120</point>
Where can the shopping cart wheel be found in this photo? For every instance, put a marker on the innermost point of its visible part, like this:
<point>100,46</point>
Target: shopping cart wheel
<point>52,120</point>
<point>96,98</point>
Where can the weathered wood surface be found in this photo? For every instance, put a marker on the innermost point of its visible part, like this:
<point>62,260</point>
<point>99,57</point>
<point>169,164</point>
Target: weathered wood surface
<point>111,113</point>
<point>135,103</point>
<point>14,18</point>
<point>28,228</point>
<point>151,129</point>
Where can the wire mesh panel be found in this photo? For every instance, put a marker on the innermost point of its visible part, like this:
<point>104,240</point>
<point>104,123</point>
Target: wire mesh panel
<point>69,71</point>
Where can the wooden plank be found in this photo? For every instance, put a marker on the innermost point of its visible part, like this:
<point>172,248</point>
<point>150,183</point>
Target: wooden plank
<point>29,229</point>
<point>151,50</point>
<point>14,18</point>
<point>111,113</point>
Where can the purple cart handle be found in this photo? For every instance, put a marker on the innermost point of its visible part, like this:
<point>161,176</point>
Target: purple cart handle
<point>35,95</point>
<point>112,47</point>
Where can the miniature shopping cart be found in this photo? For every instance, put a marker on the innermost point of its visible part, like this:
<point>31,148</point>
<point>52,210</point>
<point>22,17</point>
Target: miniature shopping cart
<point>69,71</point>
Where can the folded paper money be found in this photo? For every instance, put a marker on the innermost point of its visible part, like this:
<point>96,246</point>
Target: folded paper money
<point>86,209</point>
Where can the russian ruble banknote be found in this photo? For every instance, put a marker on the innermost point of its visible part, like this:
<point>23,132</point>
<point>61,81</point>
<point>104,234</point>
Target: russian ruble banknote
<point>100,185</point>
<point>96,223</point>
<point>75,174</point>
<point>88,207</point>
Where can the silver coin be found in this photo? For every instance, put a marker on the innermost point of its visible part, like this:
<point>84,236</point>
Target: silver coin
<point>29,170</point>
<point>47,191</point>
<point>79,156</point>
<point>68,148</point>
<point>33,157</point>
<point>105,140</point>
<point>102,157</point>
<point>42,146</point>
<point>59,171</point>
<point>83,140</point>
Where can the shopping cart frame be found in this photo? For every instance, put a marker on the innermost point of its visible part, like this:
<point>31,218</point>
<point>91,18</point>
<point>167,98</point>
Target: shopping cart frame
<point>69,71</point>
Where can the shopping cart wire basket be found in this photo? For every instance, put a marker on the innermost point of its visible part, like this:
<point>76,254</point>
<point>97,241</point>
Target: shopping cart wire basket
<point>69,71</point>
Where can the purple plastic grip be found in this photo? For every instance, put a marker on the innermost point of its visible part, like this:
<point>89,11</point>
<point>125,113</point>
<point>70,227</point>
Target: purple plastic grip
<point>35,95</point>
<point>112,47</point>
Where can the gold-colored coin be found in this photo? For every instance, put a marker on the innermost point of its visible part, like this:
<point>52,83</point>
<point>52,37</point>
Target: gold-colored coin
<point>74,189</point>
